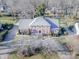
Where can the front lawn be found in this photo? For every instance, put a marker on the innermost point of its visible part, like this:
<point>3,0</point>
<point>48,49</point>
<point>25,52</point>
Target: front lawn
<point>77,57</point>
<point>14,56</point>
<point>37,56</point>
<point>6,19</point>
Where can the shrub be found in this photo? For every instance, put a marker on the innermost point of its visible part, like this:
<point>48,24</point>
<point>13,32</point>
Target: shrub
<point>7,26</point>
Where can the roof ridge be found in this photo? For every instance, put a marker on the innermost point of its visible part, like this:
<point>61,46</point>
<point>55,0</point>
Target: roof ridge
<point>41,19</point>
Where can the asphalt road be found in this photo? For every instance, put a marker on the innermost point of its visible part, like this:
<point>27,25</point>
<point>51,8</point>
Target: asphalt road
<point>11,34</point>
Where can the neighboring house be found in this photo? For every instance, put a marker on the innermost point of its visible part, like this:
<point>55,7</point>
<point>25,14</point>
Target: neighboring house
<point>1,8</point>
<point>5,9</point>
<point>77,28</point>
<point>39,25</point>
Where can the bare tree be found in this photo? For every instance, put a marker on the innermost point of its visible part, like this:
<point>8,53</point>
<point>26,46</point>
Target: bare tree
<point>26,8</point>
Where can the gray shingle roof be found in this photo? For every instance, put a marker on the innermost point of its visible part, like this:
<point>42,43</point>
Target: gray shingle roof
<point>24,23</point>
<point>39,21</point>
<point>53,20</point>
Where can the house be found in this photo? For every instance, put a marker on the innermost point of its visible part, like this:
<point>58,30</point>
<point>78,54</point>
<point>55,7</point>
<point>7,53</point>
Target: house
<point>38,25</point>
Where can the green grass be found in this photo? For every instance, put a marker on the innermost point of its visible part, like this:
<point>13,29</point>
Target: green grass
<point>6,19</point>
<point>77,57</point>
<point>14,56</point>
<point>37,56</point>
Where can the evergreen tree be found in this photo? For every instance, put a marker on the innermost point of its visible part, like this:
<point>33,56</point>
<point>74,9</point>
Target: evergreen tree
<point>40,10</point>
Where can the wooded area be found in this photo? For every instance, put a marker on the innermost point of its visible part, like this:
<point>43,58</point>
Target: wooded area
<point>27,8</point>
